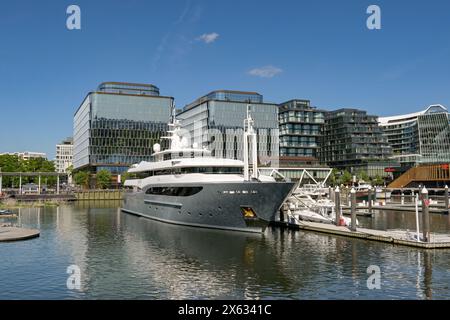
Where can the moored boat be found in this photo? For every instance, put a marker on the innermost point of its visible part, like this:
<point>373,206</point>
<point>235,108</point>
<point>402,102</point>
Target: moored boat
<point>187,186</point>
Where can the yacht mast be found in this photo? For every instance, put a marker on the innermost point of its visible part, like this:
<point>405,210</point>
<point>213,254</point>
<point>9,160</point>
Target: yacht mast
<point>250,137</point>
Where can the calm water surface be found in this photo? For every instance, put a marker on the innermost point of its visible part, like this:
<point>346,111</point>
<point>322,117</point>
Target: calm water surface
<point>126,257</point>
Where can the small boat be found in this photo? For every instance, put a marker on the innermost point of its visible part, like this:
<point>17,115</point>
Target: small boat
<point>300,206</point>
<point>383,193</point>
<point>362,191</point>
<point>7,214</point>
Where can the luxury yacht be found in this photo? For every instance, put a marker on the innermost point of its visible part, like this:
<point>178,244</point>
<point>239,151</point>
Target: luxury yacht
<point>185,185</point>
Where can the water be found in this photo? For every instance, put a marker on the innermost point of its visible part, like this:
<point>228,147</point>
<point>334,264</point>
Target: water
<point>126,257</point>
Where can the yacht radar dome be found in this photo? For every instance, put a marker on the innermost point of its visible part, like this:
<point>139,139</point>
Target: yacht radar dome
<point>156,147</point>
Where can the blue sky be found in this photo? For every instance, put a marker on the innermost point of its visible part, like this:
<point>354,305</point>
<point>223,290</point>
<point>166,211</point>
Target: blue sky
<point>318,50</point>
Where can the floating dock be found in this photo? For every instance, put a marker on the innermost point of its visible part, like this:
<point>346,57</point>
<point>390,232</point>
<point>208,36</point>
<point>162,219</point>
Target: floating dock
<point>16,234</point>
<point>399,237</point>
<point>402,208</point>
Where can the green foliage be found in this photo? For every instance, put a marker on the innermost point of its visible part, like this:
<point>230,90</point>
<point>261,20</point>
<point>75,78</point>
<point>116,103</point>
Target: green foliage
<point>378,181</point>
<point>333,179</point>
<point>346,178</point>
<point>124,176</point>
<point>81,178</point>
<point>103,178</point>
<point>12,163</point>
<point>362,176</point>
<point>69,170</point>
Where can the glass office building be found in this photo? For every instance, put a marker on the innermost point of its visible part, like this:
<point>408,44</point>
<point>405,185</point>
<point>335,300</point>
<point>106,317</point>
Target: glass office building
<point>215,121</point>
<point>117,126</point>
<point>352,139</point>
<point>420,137</point>
<point>434,135</point>
<point>300,130</point>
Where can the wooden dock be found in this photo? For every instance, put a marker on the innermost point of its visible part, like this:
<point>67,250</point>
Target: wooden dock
<point>16,234</point>
<point>402,208</point>
<point>399,237</point>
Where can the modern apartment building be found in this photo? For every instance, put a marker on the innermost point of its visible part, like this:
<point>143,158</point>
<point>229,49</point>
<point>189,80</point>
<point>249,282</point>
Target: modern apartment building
<point>420,137</point>
<point>117,126</point>
<point>353,140</point>
<point>300,132</point>
<point>215,121</point>
<point>64,155</point>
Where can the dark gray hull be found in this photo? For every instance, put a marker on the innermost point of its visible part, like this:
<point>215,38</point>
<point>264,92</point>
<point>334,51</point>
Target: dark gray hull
<point>217,206</point>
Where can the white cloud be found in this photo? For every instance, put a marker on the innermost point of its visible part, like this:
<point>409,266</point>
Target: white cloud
<point>265,72</point>
<point>208,37</point>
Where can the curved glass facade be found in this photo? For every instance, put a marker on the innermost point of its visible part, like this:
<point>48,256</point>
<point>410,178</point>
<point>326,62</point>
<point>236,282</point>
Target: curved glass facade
<point>419,137</point>
<point>434,136</point>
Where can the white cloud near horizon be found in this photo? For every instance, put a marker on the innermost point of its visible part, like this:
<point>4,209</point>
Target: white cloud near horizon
<point>208,37</point>
<point>265,72</point>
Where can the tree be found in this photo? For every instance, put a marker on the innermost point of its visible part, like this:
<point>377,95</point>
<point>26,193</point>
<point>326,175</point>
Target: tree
<point>333,179</point>
<point>103,178</point>
<point>81,178</point>
<point>12,163</point>
<point>124,176</point>
<point>69,170</point>
<point>363,176</point>
<point>378,181</point>
<point>346,178</point>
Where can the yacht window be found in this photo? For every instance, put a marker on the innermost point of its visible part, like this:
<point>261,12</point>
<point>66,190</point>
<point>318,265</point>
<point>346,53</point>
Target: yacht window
<point>174,191</point>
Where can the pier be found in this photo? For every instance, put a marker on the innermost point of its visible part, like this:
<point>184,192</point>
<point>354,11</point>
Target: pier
<point>428,240</point>
<point>8,234</point>
<point>20,175</point>
<point>399,237</point>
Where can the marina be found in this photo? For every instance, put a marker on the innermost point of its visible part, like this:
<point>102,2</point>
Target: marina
<point>216,150</point>
<point>331,220</point>
<point>148,259</point>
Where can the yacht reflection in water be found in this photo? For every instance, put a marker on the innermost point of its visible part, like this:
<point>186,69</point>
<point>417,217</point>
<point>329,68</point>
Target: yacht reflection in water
<point>186,262</point>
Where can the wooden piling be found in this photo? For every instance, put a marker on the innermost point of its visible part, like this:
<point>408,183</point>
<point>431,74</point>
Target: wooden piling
<point>337,201</point>
<point>425,215</point>
<point>353,209</point>
<point>446,200</point>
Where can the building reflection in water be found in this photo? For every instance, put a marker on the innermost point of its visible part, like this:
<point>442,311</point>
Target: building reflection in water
<point>124,256</point>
